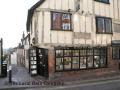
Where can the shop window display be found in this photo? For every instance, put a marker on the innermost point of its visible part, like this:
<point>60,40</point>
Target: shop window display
<point>81,58</point>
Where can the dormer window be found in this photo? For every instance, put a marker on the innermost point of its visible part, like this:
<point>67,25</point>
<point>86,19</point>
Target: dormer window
<point>103,1</point>
<point>77,5</point>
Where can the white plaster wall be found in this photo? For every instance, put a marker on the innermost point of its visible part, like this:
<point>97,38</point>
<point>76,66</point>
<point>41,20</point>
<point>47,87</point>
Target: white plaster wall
<point>14,58</point>
<point>84,22</point>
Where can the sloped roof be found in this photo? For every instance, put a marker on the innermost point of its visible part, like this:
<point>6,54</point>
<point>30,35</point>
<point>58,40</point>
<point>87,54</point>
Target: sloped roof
<point>31,12</point>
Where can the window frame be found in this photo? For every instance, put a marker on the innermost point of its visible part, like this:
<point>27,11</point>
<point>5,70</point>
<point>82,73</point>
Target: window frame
<point>103,1</point>
<point>61,29</point>
<point>105,18</point>
<point>114,58</point>
<point>81,56</point>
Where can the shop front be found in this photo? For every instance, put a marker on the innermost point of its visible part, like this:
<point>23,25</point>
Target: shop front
<point>38,59</point>
<point>70,59</point>
<point>81,62</point>
<point>59,62</point>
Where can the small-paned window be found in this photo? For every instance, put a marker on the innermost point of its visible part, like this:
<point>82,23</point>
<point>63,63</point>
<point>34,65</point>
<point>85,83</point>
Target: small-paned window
<point>103,25</point>
<point>61,21</point>
<point>81,58</point>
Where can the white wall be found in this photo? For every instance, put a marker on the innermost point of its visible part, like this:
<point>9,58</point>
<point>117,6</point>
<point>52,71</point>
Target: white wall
<point>84,24</point>
<point>14,58</point>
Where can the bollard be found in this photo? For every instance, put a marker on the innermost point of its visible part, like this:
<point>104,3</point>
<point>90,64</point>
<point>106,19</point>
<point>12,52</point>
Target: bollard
<point>10,74</point>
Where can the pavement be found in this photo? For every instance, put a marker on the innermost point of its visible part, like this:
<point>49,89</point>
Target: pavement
<point>22,79</point>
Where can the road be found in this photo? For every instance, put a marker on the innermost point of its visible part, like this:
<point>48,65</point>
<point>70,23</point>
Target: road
<point>102,85</point>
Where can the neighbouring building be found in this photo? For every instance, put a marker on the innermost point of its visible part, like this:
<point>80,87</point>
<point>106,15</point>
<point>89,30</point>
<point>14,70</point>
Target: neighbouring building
<point>74,37</point>
<point>22,51</point>
<point>1,57</point>
<point>20,55</point>
<point>26,49</point>
<point>13,58</point>
<point>3,62</point>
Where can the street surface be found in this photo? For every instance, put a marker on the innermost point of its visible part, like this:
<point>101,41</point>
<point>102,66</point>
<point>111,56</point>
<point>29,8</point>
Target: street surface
<point>21,77</point>
<point>102,85</point>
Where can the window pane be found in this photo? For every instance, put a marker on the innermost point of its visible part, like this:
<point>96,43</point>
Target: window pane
<point>106,1</point>
<point>100,25</point>
<point>75,52</point>
<point>83,52</point>
<point>96,61</point>
<point>56,20</point>
<point>59,53</point>
<point>103,51</point>
<point>103,61</point>
<point>82,62</point>
<point>31,58</point>
<point>96,51</point>
<point>67,53</point>
<point>116,28</point>
<point>90,61</point>
<point>67,63</point>
<point>75,63</point>
<point>66,22</point>
<point>108,25</point>
<point>90,52</point>
<point>59,63</point>
<point>115,53</point>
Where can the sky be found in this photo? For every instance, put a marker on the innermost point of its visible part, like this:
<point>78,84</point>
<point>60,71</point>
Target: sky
<point>13,16</point>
